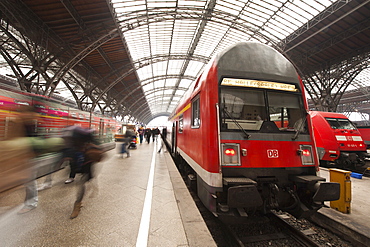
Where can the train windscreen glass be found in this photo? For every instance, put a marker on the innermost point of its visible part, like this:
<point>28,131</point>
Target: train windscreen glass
<point>261,110</point>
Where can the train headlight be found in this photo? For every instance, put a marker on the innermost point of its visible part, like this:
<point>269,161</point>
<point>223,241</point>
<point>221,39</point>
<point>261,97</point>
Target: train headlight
<point>230,154</point>
<point>305,151</point>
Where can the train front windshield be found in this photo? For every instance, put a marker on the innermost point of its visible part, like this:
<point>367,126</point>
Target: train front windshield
<point>261,110</point>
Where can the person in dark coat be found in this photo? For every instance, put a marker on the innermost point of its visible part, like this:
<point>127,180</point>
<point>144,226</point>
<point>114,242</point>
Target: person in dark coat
<point>141,132</point>
<point>85,154</point>
<point>155,133</point>
<point>148,134</point>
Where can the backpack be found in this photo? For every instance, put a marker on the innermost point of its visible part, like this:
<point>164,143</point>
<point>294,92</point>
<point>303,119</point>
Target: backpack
<point>94,153</point>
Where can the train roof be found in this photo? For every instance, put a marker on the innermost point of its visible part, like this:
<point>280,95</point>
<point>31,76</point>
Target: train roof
<point>256,60</point>
<point>328,114</point>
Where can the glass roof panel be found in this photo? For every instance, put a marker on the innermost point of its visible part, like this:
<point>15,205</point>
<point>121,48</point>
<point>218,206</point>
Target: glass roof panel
<point>148,87</point>
<point>171,82</point>
<point>159,84</point>
<point>183,33</point>
<point>174,66</point>
<point>207,43</point>
<point>145,72</point>
<point>185,83</point>
<point>196,3</point>
<point>156,3</point>
<point>228,7</point>
<point>193,66</point>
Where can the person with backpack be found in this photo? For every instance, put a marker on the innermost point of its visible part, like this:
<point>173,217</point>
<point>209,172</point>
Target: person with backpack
<point>141,132</point>
<point>148,134</point>
<point>126,142</point>
<point>84,155</point>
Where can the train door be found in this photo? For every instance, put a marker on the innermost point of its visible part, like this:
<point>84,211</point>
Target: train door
<point>8,121</point>
<point>173,138</point>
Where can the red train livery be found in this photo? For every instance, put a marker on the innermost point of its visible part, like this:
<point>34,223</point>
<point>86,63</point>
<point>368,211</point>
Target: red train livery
<point>243,133</point>
<point>339,142</point>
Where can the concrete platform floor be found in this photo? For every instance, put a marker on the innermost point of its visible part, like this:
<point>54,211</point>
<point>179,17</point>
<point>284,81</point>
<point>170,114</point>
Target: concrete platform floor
<point>136,201</point>
<point>354,226</point>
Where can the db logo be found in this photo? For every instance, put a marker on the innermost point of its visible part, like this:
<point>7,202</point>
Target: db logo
<point>349,138</point>
<point>272,153</point>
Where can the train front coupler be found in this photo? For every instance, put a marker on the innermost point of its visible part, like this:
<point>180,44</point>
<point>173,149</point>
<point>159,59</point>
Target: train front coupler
<point>312,192</point>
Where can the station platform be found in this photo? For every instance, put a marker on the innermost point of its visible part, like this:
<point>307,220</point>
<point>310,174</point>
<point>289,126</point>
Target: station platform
<point>354,226</point>
<point>136,201</point>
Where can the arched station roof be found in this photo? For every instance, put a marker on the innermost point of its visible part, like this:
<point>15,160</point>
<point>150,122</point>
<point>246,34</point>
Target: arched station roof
<point>137,58</point>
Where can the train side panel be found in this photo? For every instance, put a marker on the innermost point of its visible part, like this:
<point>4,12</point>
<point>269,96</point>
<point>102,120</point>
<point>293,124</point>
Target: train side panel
<point>196,141</point>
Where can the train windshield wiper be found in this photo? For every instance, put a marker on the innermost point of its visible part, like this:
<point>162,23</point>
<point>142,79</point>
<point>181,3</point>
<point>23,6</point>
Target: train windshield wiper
<point>300,124</point>
<point>237,124</point>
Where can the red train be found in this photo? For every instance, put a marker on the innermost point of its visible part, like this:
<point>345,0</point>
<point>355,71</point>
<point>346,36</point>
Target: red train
<point>54,115</point>
<point>339,142</point>
<point>365,133</point>
<point>243,133</point>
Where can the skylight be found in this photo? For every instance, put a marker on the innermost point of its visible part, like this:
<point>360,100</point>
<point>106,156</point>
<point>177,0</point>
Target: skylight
<point>178,41</point>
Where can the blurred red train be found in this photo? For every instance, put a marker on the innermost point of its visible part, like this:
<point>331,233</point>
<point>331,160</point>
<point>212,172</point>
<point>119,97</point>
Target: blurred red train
<point>54,116</point>
<point>243,133</point>
<point>339,142</point>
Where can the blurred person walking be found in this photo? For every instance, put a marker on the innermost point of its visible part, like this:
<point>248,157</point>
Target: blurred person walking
<point>68,152</point>
<point>84,156</point>
<point>125,144</point>
<point>20,146</point>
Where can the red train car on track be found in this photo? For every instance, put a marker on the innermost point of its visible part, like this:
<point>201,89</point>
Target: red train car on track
<point>54,115</point>
<point>365,133</point>
<point>339,142</point>
<point>243,132</point>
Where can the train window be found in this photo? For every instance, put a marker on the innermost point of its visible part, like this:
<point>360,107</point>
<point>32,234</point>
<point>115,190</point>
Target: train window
<point>181,124</point>
<point>39,106</point>
<point>340,123</point>
<point>242,108</point>
<point>21,102</point>
<point>195,113</point>
<point>286,112</point>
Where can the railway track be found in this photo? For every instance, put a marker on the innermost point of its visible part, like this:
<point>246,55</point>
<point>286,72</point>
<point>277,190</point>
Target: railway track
<point>279,229</point>
<point>269,230</point>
